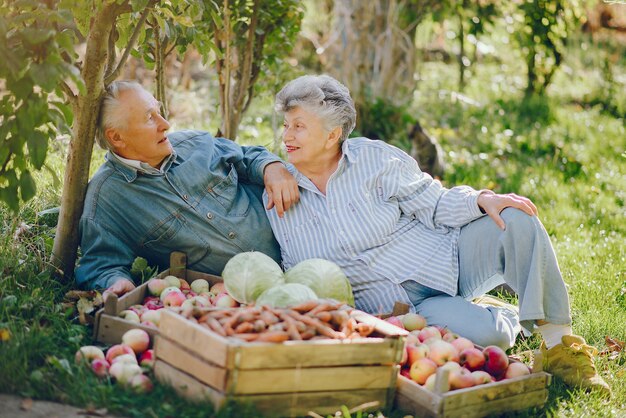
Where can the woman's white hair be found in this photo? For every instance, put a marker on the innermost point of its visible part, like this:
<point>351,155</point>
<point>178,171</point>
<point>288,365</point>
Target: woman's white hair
<point>323,95</point>
<point>109,117</point>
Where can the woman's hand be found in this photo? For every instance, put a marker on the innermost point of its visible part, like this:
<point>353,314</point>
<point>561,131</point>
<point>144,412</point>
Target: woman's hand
<point>281,187</point>
<point>119,288</point>
<point>492,204</point>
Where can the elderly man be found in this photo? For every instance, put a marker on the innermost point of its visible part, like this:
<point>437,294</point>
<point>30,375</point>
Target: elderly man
<point>186,191</point>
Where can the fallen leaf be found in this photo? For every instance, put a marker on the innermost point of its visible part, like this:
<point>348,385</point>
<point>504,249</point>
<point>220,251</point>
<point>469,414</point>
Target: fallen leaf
<point>27,404</point>
<point>5,334</point>
<point>614,348</point>
<point>91,410</point>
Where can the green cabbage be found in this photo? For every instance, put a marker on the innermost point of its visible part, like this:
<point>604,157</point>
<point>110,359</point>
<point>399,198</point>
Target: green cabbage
<point>285,295</point>
<point>249,274</point>
<point>325,278</point>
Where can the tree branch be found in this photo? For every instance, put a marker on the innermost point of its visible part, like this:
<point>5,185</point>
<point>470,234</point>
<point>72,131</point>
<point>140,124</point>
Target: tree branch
<point>131,44</point>
<point>71,97</point>
<point>111,55</point>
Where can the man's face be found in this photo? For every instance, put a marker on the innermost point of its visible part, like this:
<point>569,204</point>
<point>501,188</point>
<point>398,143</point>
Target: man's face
<point>143,135</point>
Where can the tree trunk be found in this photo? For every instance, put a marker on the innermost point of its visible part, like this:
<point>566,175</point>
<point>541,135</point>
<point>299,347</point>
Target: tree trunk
<point>66,240</point>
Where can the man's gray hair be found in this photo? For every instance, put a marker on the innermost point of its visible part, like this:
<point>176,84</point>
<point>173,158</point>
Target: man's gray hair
<point>108,117</point>
<point>323,95</point>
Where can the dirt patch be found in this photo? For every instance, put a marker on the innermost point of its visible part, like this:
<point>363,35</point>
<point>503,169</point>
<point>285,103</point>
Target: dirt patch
<point>17,407</point>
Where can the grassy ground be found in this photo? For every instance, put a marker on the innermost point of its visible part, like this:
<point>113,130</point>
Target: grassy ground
<point>567,153</point>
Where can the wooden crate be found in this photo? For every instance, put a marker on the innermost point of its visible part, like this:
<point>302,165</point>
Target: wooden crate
<point>109,327</point>
<point>286,379</point>
<point>478,401</point>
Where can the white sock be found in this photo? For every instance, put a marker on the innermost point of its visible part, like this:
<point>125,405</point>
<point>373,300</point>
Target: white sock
<point>552,333</point>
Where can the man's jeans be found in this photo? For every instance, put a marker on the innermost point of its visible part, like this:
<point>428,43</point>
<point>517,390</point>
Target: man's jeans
<point>520,256</point>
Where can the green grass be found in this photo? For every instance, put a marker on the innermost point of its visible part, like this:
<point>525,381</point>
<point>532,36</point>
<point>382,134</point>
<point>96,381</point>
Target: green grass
<point>565,152</point>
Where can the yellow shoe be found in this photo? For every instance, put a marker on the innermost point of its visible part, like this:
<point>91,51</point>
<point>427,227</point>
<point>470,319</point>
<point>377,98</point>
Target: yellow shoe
<point>572,361</point>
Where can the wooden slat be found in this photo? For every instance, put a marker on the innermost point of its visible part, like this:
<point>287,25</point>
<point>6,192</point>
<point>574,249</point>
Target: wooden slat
<point>111,328</point>
<point>197,339</point>
<point>319,353</point>
<point>290,404</point>
<point>235,381</point>
<point>507,395</point>
<point>511,403</point>
<point>312,379</point>
<point>177,356</point>
<point>186,386</point>
<point>493,391</point>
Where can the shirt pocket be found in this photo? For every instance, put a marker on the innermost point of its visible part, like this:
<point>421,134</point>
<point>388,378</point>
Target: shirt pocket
<point>303,238</point>
<point>371,220</point>
<point>230,196</point>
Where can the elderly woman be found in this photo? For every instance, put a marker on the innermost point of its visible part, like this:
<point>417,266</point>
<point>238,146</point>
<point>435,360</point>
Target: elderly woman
<point>399,235</point>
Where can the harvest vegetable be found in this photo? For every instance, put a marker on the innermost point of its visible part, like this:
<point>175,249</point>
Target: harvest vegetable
<point>249,274</point>
<point>324,277</point>
<point>285,295</point>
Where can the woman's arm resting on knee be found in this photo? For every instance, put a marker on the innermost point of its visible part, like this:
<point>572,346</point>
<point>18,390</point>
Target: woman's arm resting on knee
<point>492,204</point>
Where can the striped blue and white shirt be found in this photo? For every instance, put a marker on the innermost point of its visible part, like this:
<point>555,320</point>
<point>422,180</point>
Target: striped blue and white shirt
<point>382,220</point>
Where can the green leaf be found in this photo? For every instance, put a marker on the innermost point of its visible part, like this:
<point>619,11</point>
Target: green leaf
<point>37,144</point>
<point>139,5</point>
<point>28,188</point>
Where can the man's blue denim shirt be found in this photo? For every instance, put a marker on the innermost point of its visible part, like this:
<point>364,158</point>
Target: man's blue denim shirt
<point>205,201</point>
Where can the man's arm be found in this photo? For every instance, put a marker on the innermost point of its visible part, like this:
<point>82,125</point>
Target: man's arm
<point>105,259</point>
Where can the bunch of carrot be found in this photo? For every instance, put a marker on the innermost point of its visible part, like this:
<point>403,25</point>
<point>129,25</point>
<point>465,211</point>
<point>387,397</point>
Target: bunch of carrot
<point>310,320</point>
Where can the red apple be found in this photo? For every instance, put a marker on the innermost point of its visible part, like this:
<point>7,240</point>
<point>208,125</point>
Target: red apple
<point>125,358</point>
<point>184,285</point>
<point>416,352</point>
<point>421,369</point>
<point>496,361</point>
<point>224,300</point>
<point>405,372</point>
<point>394,320</point>
<point>472,359</point>
<point>516,369</point>
<point>118,350</point>
<point>430,383</point>
<point>167,291</point>
<point>441,352</point>
<point>156,286</point>
<point>153,316</point>
<point>147,359</point>
<point>88,353</point>
<point>124,372</point>
<point>449,336</point>
<point>428,332</point>
<point>413,321</point>
<point>172,281</point>
<point>218,288</point>
<point>196,301</point>
<point>129,315</point>
<point>137,339</point>
<point>200,285</point>
<point>462,343</point>
<point>100,367</point>
<point>153,305</point>
<point>138,309</point>
<point>461,378</point>
<point>481,377</point>
<point>412,338</point>
<point>140,383</point>
<point>174,299</point>
<point>452,366</point>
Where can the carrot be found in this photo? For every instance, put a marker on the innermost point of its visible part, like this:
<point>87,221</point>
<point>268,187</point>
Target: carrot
<point>324,316</point>
<point>305,306</point>
<point>322,307</point>
<point>215,326</point>
<point>273,337</point>
<point>244,328</point>
<point>290,326</point>
<point>364,329</point>
<point>259,325</point>
<point>339,317</point>
<point>318,325</point>
<point>268,317</point>
<point>308,333</point>
<point>348,327</point>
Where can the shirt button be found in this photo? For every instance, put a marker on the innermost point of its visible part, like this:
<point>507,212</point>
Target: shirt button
<point>208,189</point>
<point>231,235</point>
<point>209,215</point>
<point>185,197</point>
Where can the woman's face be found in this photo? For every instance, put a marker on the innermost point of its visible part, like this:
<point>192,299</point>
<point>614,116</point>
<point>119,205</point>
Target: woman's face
<point>305,137</point>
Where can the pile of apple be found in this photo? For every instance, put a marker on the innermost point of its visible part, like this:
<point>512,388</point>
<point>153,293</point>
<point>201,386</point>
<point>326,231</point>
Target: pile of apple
<point>172,292</point>
<point>430,348</point>
<point>127,363</point>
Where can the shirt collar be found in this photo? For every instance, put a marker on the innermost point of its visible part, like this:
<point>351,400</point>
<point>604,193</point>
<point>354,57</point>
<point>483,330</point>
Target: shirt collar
<point>130,168</point>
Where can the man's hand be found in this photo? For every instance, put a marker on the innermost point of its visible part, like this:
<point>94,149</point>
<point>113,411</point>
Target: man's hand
<point>493,204</point>
<point>119,288</point>
<point>281,187</point>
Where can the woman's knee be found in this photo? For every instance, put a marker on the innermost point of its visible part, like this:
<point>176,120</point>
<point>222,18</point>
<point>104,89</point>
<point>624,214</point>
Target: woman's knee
<point>518,219</point>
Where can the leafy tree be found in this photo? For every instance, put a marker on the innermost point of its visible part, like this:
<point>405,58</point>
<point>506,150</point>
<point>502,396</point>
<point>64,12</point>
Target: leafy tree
<point>543,37</point>
<point>48,87</point>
